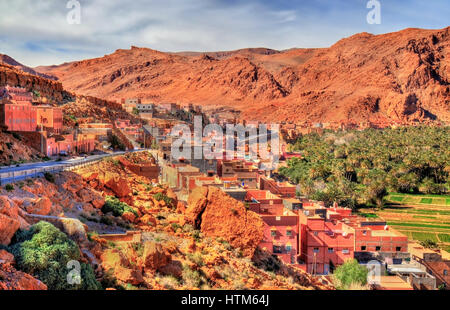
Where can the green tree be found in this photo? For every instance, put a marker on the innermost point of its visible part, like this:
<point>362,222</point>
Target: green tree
<point>349,274</point>
<point>44,252</point>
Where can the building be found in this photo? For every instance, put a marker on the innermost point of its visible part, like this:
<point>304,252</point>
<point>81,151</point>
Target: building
<point>145,107</point>
<point>133,130</point>
<point>281,236</point>
<point>324,243</point>
<point>264,202</point>
<point>244,171</point>
<point>16,110</point>
<point>49,119</point>
<point>282,189</point>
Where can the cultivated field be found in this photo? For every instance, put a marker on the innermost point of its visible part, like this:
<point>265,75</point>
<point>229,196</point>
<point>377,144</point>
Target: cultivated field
<point>420,217</point>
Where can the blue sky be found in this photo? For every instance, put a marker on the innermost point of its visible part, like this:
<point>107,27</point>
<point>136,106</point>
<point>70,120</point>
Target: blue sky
<point>36,32</point>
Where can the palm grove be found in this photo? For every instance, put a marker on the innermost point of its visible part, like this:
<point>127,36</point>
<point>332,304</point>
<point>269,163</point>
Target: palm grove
<point>356,168</point>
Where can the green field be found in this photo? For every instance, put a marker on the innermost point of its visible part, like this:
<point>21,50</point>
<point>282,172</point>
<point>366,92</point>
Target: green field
<point>444,237</point>
<point>424,236</point>
<point>438,200</point>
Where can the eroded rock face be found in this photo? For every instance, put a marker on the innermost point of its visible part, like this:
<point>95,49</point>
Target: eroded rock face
<point>155,256</point>
<point>116,261</point>
<point>9,220</point>
<point>42,206</point>
<point>11,279</point>
<point>218,215</point>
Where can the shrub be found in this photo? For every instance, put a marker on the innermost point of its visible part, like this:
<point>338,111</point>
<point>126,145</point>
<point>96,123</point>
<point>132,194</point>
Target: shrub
<point>167,200</point>
<point>9,187</point>
<point>351,273</point>
<point>116,207</point>
<point>191,277</point>
<point>44,252</point>
<point>49,177</point>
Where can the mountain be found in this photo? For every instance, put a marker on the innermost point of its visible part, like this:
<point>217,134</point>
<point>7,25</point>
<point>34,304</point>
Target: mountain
<point>401,76</point>
<point>7,60</point>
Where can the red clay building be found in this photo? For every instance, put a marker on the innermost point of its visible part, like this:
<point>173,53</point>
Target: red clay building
<point>16,110</point>
<point>264,202</point>
<point>282,189</point>
<point>49,118</point>
<point>281,236</point>
<point>324,243</point>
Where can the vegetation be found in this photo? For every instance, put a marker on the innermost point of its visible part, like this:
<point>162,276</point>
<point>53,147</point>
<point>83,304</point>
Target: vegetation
<point>49,177</point>
<point>116,143</point>
<point>167,200</point>
<point>9,187</point>
<point>45,252</point>
<point>116,207</point>
<point>350,274</point>
<point>362,167</point>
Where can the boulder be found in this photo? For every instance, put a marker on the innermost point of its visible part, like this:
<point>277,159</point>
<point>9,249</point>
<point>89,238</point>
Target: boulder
<point>217,214</point>
<point>42,206</point>
<point>119,186</point>
<point>6,257</point>
<point>11,279</point>
<point>9,220</point>
<point>113,259</point>
<point>155,256</point>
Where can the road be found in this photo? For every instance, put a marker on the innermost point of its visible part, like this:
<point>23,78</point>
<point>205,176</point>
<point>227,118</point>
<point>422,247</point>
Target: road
<point>11,174</point>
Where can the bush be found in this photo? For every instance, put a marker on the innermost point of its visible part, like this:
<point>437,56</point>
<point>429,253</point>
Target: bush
<point>44,252</point>
<point>167,200</point>
<point>49,177</point>
<point>9,187</point>
<point>116,207</point>
<point>350,274</point>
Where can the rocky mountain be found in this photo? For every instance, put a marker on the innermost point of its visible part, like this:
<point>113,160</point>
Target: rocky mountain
<point>7,60</point>
<point>401,76</point>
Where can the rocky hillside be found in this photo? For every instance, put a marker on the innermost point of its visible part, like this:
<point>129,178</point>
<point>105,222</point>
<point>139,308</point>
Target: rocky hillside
<point>179,246</point>
<point>402,76</point>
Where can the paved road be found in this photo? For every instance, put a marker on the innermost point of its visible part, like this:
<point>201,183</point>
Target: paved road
<point>13,173</point>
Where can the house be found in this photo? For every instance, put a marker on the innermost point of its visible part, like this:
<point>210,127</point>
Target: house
<point>133,130</point>
<point>324,244</point>
<point>264,202</point>
<point>282,189</point>
<point>16,110</point>
<point>49,118</point>
<point>281,236</point>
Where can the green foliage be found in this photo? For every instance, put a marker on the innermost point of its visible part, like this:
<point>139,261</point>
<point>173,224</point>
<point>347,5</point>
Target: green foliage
<point>350,273</point>
<point>49,177</point>
<point>116,207</point>
<point>44,252</point>
<point>135,111</point>
<point>360,167</point>
<point>9,187</point>
<point>167,200</point>
<point>429,244</point>
<point>116,143</point>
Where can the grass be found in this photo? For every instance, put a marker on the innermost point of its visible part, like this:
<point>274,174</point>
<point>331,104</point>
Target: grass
<point>426,200</point>
<point>396,198</point>
<point>424,236</point>
<point>444,237</point>
<point>447,202</point>
<point>413,224</point>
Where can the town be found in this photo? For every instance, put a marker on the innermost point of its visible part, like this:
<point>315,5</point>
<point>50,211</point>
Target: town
<point>297,230</point>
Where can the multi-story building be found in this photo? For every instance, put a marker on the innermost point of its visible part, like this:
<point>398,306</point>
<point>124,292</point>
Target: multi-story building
<point>282,189</point>
<point>49,119</point>
<point>16,110</point>
<point>133,130</point>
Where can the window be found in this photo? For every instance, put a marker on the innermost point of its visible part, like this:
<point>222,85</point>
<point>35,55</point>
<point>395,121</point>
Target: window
<point>364,232</point>
<point>316,233</point>
<point>345,251</point>
<point>278,218</point>
<point>273,233</point>
<point>330,250</point>
<point>316,250</point>
<point>445,272</point>
<point>363,248</point>
<point>288,248</point>
<point>377,248</point>
<point>289,233</point>
<point>277,249</point>
<point>398,249</point>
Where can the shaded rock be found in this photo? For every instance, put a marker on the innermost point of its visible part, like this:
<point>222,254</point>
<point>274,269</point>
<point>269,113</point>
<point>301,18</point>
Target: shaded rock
<point>217,214</point>
<point>155,256</point>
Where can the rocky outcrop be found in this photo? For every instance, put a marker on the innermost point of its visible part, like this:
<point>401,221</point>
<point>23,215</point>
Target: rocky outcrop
<point>218,215</point>
<point>11,279</point>
<point>155,256</point>
<point>9,220</point>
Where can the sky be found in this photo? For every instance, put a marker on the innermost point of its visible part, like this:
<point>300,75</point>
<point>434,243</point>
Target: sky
<point>37,32</point>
